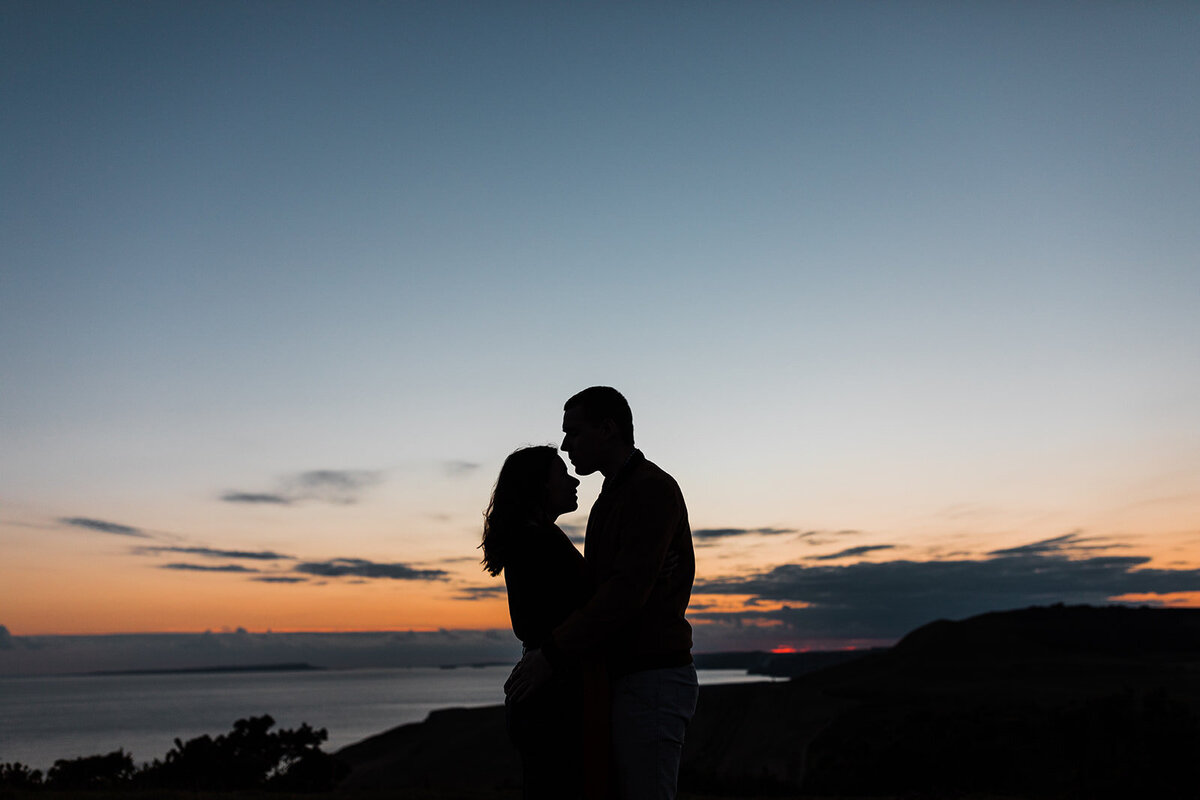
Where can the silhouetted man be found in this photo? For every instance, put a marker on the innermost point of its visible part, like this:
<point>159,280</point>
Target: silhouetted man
<point>639,548</point>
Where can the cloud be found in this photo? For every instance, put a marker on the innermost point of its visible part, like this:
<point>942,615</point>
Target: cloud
<point>16,523</point>
<point>279,579</point>
<point>341,487</point>
<point>852,551</point>
<point>208,552</point>
<point>710,537</point>
<point>458,469</point>
<point>254,498</point>
<point>722,533</point>
<point>104,527</point>
<point>1068,543</point>
<point>821,538</point>
<point>208,567</point>
<point>361,568</point>
<point>576,533</point>
<point>472,593</point>
<point>888,599</point>
<point>335,486</point>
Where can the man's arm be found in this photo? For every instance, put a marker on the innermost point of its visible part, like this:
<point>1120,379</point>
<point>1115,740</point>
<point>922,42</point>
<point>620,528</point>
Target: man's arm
<point>647,521</point>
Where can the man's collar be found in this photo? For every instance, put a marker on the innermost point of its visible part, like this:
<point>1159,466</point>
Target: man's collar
<point>634,458</point>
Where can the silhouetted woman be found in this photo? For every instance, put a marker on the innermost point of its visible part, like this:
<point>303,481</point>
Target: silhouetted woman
<point>547,580</point>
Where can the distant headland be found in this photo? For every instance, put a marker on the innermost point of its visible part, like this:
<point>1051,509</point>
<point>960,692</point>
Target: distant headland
<point>289,667</point>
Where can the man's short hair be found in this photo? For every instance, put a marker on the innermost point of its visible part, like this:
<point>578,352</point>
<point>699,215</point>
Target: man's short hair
<point>600,403</point>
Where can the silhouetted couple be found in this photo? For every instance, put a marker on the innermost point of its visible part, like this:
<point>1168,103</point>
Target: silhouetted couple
<point>599,702</point>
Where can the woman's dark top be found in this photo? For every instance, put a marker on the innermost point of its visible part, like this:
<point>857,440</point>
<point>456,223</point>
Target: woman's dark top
<point>547,579</point>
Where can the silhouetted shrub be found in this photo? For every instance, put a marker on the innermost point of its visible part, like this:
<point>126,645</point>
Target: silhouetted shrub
<point>249,757</point>
<point>315,771</point>
<point>110,771</point>
<point>16,775</point>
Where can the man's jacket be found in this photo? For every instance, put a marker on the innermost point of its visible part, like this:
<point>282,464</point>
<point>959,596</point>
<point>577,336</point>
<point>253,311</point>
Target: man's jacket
<point>639,550</point>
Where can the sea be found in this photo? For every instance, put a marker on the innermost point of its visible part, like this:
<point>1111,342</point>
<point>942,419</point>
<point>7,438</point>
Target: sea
<point>43,719</point>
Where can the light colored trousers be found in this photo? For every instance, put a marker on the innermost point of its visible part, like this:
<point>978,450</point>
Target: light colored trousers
<point>651,710</point>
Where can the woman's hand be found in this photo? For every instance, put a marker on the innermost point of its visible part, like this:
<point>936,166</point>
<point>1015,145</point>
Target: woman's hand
<point>531,673</point>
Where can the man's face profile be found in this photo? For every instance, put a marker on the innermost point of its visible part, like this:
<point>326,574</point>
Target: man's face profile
<point>583,441</point>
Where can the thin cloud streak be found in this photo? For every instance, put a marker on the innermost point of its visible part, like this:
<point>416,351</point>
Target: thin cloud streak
<point>473,593</point>
<point>101,526</point>
<point>256,498</point>
<point>361,568</point>
<point>337,486</point>
<point>852,551</point>
<point>334,486</point>
<point>1071,542</point>
<point>208,552</point>
<point>576,533</point>
<point>459,469</point>
<point>208,567</point>
<point>724,533</point>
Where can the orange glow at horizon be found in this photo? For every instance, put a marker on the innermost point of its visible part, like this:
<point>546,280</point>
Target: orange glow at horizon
<point>1172,600</point>
<point>86,586</point>
<point>162,601</point>
<point>723,603</point>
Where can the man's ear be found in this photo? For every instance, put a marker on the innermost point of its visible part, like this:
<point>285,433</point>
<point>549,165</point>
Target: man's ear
<point>609,427</point>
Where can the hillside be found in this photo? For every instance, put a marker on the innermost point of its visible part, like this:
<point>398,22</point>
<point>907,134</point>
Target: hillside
<point>1077,702</point>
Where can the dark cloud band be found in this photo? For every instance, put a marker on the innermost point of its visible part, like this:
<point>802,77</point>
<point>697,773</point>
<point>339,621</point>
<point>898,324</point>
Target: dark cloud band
<point>886,599</point>
<point>723,533</point>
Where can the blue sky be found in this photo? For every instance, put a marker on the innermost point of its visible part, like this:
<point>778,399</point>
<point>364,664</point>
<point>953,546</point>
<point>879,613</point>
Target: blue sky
<point>926,271</point>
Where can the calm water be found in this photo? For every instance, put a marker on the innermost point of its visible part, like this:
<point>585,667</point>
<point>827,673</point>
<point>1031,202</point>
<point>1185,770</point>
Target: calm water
<point>43,719</point>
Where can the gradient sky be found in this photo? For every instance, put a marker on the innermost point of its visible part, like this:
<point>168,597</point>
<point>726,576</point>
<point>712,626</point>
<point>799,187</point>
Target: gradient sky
<point>905,295</point>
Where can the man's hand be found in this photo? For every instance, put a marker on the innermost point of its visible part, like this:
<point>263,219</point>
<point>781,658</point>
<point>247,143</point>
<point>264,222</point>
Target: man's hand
<point>531,673</point>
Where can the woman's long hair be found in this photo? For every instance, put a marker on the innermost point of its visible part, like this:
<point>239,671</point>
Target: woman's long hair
<point>518,499</point>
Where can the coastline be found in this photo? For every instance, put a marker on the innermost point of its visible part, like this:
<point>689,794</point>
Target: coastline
<point>46,718</point>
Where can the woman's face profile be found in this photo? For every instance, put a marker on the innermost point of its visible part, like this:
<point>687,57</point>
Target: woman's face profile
<point>560,490</point>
